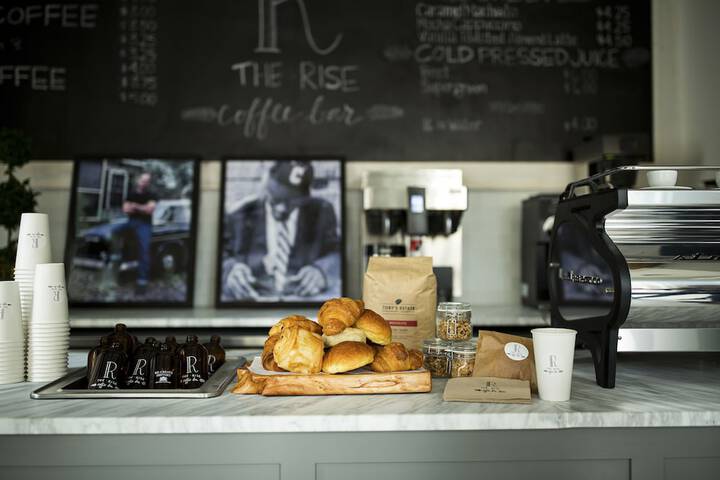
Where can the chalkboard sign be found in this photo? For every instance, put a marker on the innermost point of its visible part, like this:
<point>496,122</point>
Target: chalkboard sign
<point>368,80</point>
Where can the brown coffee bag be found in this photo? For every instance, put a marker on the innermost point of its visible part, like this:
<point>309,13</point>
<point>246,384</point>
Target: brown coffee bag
<point>505,356</point>
<point>404,291</point>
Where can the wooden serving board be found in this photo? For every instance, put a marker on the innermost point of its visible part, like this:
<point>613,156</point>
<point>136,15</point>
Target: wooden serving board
<point>338,384</point>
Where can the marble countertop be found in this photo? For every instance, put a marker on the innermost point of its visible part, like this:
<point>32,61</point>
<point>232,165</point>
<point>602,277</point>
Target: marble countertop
<point>483,315</point>
<point>653,390</point>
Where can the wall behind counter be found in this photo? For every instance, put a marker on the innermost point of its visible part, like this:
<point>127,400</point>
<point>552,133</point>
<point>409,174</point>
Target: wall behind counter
<point>491,227</point>
<point>686,70</point>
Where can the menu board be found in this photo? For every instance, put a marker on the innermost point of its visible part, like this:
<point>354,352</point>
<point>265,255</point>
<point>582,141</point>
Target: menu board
<point>367,80</point>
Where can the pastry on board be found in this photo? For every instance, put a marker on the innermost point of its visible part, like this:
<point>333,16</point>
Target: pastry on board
<point>376,328</point>
<point>347,356</point>
<point>392,357</point>
<point>416,359</point>
<point>350,334</point>
<point>295,320</point>
<point>337,314</point>
<point>299,350</point>
<point>268,358</point>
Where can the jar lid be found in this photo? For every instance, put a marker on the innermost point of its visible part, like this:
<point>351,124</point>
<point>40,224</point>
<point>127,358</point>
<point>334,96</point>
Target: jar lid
<point>453,307</point>
<point>463,347</point>
<point>435,345</point>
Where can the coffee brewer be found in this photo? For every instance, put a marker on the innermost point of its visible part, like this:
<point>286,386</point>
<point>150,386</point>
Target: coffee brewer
<point>417,213</point>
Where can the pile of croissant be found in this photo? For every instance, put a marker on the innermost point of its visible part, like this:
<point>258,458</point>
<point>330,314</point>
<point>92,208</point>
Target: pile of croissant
<point>346,337</point>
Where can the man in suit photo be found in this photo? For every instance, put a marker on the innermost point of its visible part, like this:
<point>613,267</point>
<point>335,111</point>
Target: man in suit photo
<point>282,244</point>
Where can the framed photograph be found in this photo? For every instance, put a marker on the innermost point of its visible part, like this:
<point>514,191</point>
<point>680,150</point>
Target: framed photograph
<point>282,231</point>
<point>131,232</point>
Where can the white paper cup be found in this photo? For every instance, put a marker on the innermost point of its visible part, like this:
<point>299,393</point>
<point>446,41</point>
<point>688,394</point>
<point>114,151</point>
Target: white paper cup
<point>33,240</point>
<point>57,331</point>
<point>50,295</point>
<point>10,313</point>
<point>12,374</point>
<point>11,351</point>
<point>662,178</point>
<point>8,381</point>
<point>554,354</point>
<point>12,364</point>
<point>52,374</point>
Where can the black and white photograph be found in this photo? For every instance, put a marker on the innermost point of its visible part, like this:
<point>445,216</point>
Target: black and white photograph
<point>282,231</point>
<point>131,235</point>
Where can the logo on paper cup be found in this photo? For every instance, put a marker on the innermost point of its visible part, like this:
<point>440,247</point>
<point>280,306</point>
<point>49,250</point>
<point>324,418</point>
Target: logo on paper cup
<point>552,365</point>
<point>516,351</point>
<point>56,290</point>
<point>35,239</point>
<point>3,307</point>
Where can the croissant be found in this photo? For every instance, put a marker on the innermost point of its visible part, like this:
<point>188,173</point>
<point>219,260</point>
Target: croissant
<point>416,359</point>
<point>268,358</point>
<point>376,328</point>
<point>298,350</point>
<point>350,334</point>
<point>392,357</point>
<point>346,356</point>
<point>295,320</point>
<point>337,314</point>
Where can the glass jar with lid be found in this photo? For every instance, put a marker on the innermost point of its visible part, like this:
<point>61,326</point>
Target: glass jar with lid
<point>435,358</point>
<point>462,359</point>
<point>453,321</point>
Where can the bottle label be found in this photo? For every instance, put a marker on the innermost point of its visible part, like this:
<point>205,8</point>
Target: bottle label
<point>108,378</point>
<point>211,364</point>
<point>163,377</point>
<point>192,372</point>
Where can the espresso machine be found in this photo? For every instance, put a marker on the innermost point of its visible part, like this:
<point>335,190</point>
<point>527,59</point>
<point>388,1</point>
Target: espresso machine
<point>637,269</point>
<point>417,213</point>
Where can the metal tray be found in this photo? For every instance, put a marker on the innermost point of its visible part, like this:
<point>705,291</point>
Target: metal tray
<point>73,385</point>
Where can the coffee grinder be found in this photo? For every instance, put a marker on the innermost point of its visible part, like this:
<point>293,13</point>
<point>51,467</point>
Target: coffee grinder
<point>417,213</point>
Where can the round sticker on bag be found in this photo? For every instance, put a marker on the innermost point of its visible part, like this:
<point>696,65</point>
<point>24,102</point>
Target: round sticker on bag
<point>516,351</point>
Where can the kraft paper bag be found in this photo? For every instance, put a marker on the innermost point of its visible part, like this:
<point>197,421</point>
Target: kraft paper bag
<point>403,290</point>
<point>505,356</point>
<point>487,390</point>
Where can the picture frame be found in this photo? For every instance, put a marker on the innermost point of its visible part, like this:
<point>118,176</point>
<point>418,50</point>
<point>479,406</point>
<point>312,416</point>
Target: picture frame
<point>249,185</point>
<point>105,266</point>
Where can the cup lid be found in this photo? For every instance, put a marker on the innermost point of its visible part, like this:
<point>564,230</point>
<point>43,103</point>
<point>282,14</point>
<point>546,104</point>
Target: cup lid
<point>553,331</point>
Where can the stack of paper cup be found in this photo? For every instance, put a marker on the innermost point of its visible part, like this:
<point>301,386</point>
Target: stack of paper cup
<point>49,329</point>
<point>33,248</point>
<point>12,341</point>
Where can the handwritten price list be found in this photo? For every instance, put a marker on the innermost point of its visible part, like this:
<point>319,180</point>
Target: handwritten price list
<point>138,29</point>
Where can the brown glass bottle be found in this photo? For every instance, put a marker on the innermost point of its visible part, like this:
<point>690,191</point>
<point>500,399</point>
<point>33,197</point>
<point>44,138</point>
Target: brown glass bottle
<point>216,354</point>
<point>121,335</point>
<point>172,343</point>
<point>193,359</point>
<point>141,366</point>
<point>109,369</point>
<point>165,368</point>
<point>95,353</point>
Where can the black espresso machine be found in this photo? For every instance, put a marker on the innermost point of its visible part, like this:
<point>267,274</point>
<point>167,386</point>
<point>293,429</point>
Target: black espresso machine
<point>640,265</point>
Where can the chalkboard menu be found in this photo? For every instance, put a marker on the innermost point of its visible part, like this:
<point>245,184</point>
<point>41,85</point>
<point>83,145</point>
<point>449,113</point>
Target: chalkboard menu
<point>368,80</point>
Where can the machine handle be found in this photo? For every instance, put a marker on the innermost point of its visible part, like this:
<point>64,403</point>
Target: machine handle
<point>593,183</point>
